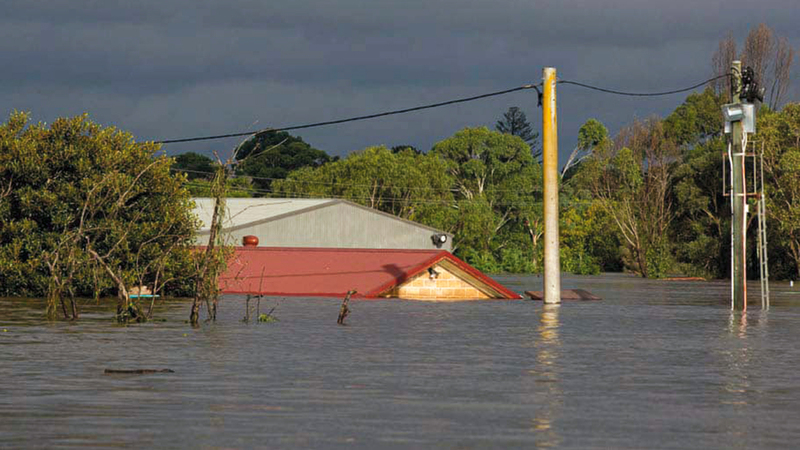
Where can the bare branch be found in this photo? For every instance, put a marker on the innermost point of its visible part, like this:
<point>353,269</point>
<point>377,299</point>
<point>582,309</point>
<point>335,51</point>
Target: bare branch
<point>782,69</point>
<point>721,64</point>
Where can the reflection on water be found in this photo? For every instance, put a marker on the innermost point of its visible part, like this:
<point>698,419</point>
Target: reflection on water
<point>547,354</point>
<point>738,357</point>
<point>653,365</point>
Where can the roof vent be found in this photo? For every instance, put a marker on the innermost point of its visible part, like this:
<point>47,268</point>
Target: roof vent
<point>250,241</point>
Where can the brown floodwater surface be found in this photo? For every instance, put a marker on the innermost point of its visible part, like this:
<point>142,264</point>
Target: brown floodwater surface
<point>654,365</point>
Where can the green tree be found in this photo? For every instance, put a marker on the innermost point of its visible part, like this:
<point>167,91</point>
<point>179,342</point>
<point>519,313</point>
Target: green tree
<point>195,166</point>
<point>86,210</point>
<point>591,134</point>
<point>702,222</point>
<point>272,156</point>
<point>631,180</point>
<point>780,134</point>
<point>702,215</point>
<point>402,148</point>
<point>696,120</point>
<point>578,226</point>
<point>406,184</point>
<point>515,123</point>
<point>495,181</point>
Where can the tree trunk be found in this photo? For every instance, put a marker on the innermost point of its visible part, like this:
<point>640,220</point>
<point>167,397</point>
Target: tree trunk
<point>642,260</point>
<point>64,307</point>
<point>208,274</point>
<point>75,313</point>
<point>795,247</point>
<point>194,316</point>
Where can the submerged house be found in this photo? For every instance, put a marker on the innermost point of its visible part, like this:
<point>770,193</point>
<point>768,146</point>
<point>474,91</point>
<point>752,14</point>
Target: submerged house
<point>325,248</point>
<point>373,273</point>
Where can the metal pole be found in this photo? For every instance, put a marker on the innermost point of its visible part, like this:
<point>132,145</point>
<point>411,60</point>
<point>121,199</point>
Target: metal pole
<point>552,264</point>
<point>764,251</point>
<point>738,201</point>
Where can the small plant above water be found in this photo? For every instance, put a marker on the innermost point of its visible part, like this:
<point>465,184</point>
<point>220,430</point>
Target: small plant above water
<point>266,318</point>
<point>260,317</point>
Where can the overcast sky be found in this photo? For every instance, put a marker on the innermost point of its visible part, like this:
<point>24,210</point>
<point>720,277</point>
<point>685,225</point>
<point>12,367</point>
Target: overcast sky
<point>169,69</point>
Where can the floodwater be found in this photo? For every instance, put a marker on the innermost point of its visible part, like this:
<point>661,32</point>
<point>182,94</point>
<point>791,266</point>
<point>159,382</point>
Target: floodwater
<point>654,365</point>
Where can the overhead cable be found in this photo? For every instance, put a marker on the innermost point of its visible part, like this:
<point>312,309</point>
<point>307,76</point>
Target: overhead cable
<point>642,94</point>
<point>349,119</point>
<point>437,105</point>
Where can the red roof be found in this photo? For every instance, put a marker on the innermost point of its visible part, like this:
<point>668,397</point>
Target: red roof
<point>331,272</point>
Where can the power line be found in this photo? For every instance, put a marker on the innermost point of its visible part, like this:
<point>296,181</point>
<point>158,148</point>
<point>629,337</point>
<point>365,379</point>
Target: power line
<point>350,119</point>
<point>642,94</point>
<point>436,105</point>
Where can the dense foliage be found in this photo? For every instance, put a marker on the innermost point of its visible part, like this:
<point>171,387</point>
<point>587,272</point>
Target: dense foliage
<point>81,205</point>
<point>271,156</point>
<point>195,165</point>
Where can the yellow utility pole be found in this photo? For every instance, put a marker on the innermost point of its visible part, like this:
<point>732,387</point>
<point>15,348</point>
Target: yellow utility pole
<point>552,263</point>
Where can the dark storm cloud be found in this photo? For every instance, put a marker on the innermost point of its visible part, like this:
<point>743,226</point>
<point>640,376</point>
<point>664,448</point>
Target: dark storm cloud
<point>165,69</point>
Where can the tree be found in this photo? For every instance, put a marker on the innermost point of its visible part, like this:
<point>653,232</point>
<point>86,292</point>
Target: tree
<point>770,57</point>
<point>590,135</point>
<point>515,123</point>
<point>631,180</point>
<point>402,148</point>
<point>698,118</point>
<point>195,166</point>
<point>781,73</point>
<point>272,156</point>
<point>758,51</point>
<point>407,184</point>
<point>493,173</point>
<point>721,62</point>
<point>780,134</point>
<point>702,222</point>
<point>86,210</point>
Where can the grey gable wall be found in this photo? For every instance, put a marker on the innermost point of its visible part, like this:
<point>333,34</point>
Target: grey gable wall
<point>338,225</point>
